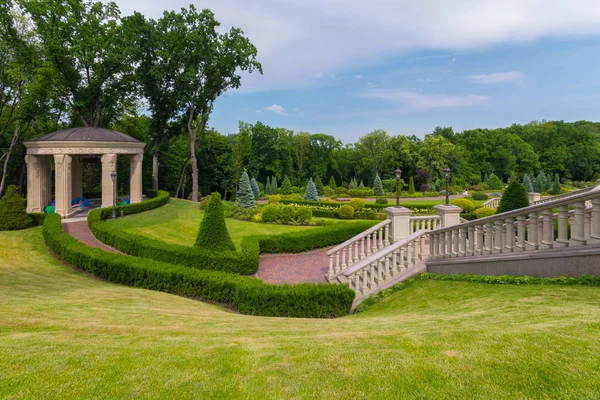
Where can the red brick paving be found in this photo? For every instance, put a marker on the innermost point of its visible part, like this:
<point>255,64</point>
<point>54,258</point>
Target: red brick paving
<point>80,231</point>
<point>293,268</point>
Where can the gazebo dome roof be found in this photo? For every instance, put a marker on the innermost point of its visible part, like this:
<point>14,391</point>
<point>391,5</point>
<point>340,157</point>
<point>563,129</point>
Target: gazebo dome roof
<point>86,135</point>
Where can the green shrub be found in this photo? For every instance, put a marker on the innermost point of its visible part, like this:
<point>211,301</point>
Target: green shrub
<point>493,183</point>
<point>274,185</point>
<point>332,183</point>
<point>311,191</point>
<point>483,212</point>
<point>319,186</point>
<point>156,198</point>
<point>271,213</point>
<point>268,186</point>
<point>456,189</point>
<point>286,186</point>
<point>514,197</point>
<point>213,234</point>
<point>477,188</point>
<point>293,196</point>
<point>288,214</point>
<point>244,196</point>
<point>341,190</point>
<point>13,215</point>
<point>204,202</point>
<point>274,198</point>
<point>378,187</point>
<point>361,192</point>
<point>381,200</point>
<point>357,204</point>
<point>37,219</point>
<point>303,214</point>
<point>480,196</point>
<point>430,194</point>
<point>346,212</point>
<point>541,185</point>
<point>564,190</point>
<point>527,183</point>
<point>466,205</point>
<point>411,185</point>
<point>255,189</point>
<point>556,185</point>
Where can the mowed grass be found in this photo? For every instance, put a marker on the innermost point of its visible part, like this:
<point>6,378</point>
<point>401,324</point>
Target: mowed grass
<point>178,223</point>
<point>64,334</point>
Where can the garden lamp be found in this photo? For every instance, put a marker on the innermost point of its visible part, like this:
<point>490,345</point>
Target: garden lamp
<point>398,173</point>
<point>447,175</point>
<point>113,176</point>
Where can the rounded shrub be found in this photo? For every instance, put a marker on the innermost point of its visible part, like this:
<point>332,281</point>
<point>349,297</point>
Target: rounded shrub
<point>514,197</point>
<point>483,212</point>
<point>357,204</point>
<point>381,200</point>
<point>466,205</point>
<point>204,202</point>
<point>213,234</point>
<point>293,196</point>
<point>303,214</point>
<point>271,213</point>
<point>288,214</point>
<point>477,188</point>
<point>275,198</point>
<point>480,196</point>
<point>13,214</point>
<point>345,212</point>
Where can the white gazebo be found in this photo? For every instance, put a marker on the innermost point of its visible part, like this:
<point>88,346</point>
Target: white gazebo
<point>68,148</point>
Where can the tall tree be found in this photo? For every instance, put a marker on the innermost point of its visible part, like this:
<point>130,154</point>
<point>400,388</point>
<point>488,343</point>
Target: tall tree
<point>241,149</point>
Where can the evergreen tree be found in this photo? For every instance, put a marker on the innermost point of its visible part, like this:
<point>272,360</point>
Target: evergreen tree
<point>556,185</point>
<point>540,182</point>
<point>245,197</point>
<point>213,234</point>
<point>286,186</point>
<point>274,185</point>
<point>332,183</point>
<point>378,187</point>
<point>255,189</point>
<point>514,197</point>
<point>362,185</point>
<point>268,186</point>
<point>311,191</point>
<point>319,186</point>
<point>353,184</point>
<point>527,183</point>
<point>13,214</point>
<point>411,185</point>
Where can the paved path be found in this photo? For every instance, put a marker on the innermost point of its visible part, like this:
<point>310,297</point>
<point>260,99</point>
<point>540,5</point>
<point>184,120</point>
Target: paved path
<point>293,268</point>
<point>80,231</point>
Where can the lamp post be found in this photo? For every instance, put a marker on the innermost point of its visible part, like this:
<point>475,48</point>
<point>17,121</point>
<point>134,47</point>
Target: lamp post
<point>398,173</point>
<point>113,176</point>
<point>447,175</point>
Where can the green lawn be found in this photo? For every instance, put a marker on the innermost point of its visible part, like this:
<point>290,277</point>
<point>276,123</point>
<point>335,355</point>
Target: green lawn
<point>64,334</point>
<point>178,223</point>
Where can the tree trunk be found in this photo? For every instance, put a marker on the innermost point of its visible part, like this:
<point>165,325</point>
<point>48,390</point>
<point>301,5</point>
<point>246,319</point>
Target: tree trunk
<point>89,183</point>
<point>7,158</point>
<point>155,171</point>
<point>193,134</point>
<point>181,176</point>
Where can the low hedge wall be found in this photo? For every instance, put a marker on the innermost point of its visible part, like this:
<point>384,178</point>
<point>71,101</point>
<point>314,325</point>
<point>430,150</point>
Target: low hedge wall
<point>247,295</point>
<point>156,198</point>
<point>372,215</point>
<point>368,206</point>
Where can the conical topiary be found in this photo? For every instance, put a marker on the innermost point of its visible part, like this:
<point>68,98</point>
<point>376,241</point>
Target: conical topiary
<point>362,185</point>
<point>245,197</point>
<point>319,186</point>
<point>527,183</point>
<point>411,185</point>
<point>255,189</point>
<point>311,191</point>
<point>274,185</point>
<point>286,186</point>
<point>556,185</point>
<point>213,234</point>
<point>378,187</point>
<point>353,184</point>
<point>540,182</point>
<point>268,186</point>
<point>514,197</point>
<point>13,214</point>
<point>332,183</point>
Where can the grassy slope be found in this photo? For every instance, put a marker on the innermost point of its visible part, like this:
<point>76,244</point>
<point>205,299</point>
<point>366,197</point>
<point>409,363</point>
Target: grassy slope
<point>64,334</point>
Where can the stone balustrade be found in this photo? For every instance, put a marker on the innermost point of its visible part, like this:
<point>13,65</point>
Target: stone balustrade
<point>562,196</point>
<point>492,203</point>
<point>357,248</point>
<point>427,222</point>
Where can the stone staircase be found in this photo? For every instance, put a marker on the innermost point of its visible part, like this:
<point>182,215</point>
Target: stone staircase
<point>519,242</point>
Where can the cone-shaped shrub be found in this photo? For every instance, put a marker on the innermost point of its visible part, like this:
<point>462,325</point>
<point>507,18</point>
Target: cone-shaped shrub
<point>540,183</point>
<point>255,189</point>
<point>13,215</point>
<point>311,191</point>
<point>514,197</point>
<point>353,184</point>
<point>213,234</point>
<point>332,183</point>
<point>411,185</point>
<point>268,186</point>
<point>527,183</point>
<point>286,186</point>
<point>274,185</point>
<point>556,185</point>
<point>378,187</point>
<point>362,185</point>
<point>319,186</point>
<point>245,197</point>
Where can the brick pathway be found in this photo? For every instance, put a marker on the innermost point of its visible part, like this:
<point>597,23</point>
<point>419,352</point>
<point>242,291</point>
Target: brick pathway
<point>80,231</point>
<point>293,268</point>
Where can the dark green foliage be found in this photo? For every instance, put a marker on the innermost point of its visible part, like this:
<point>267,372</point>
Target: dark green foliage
<point>494,183</point>
<point>540,183</point>
<point>556,185</point>
<point>527,183</point>
<point>303,214</point>
<point>37,219</point>
<point>286,186</point>
<point>381,200</point>
<point>268,186</point>
<point>213,234</point>
<point>319,186</point>
<point>248,295</point>
<point>275,185</point>
<point>361,186</point>
<point>245,197</point>
<point>311,191</point>
<point>255,189</point>
<point>514,197</point>
<point>271,213</point>
<point>332,183</point>
<point>156,198</point>
<point>13,215</point>
<point>378,187</point>
<point>288,214</point>
<point>411,185</point>
<point>480,196</point>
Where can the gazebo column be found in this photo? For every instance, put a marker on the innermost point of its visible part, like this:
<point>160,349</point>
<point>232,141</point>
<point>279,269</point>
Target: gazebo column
<point>135,177</point>
<point>39,175</point>
<point>63,180</point>
<point>77,173</point>
<point>109,164</point>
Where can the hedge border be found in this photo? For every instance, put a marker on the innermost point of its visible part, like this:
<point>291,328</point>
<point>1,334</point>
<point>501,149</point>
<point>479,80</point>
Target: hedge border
<point>371,206</point>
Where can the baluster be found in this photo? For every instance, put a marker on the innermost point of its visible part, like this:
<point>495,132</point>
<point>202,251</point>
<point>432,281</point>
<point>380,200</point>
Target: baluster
<point>386,240</point>
<point>357,281</point>
<point>362,248</point>
<point>365,280</point>
<point>372,275</point>
<point>410,226</point>
<point>330,273</point>
<point>471,240</point>
<point>344,265</point>
<point>547,228</point>
<point>394,268</point>
<point>350,282</point>
<point>587,223</point>
<point>337,262</point>
<point>386,271</point>
<point>479,239</point>
<point>563,226</point>
<point>356,246</point>
<point>422,247</point>
<point>379,266</point>
<point>432,243</point>
<point>489,235</point>
<point>595,225</point>
<point>532,230</point>
<point>351,254</point>
<point>416,251</point>
<point>374,242</point>
<point>455,242</point>
<point>509,237</point>
<point>381,238</point>
<point>368,253</point>
<point>498,236</point>
<point>409,255</point>
<point>446,244</point>
<point>521,220</point>
<point>401,261</point>
<point>462,251</point>
<point>540,230</point>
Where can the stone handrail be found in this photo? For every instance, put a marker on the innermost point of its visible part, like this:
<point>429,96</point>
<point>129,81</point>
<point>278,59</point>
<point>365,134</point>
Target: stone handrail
<point>562,196</point>
<point>357,248</point>
<point>427,222</point>
<point>492,203</point>
<point>371,273</point>
<point>525,229</point>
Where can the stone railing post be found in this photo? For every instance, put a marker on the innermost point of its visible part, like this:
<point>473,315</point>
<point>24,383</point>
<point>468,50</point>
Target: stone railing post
<point>449,215</point>
<point>400,225</point>
<point>534,197</point>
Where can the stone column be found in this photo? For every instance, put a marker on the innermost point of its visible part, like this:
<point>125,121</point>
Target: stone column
<point>109,164</point>
<point>39,175</point>
<point>400,226</point>
<point>534,197</point>
<point>450,215</point>
<point>135,178</point>
<point>77,182</point>
<point>63,180</point>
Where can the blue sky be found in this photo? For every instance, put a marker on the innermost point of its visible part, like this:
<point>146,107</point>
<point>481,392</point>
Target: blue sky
<point>348,67</point>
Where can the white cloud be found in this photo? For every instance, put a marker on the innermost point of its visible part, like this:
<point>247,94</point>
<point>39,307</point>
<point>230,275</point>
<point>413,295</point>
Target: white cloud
<point>358,76</point>
<point>336,42</point>
<point>415,100</point>
<point>497,77</point>
<point>276,108</point>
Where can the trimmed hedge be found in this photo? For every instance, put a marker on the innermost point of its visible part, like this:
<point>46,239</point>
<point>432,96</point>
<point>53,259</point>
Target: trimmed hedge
<point>37,219</point>
<point>368,206</point>
<point>247,295</point>
<point>13,215</point>
<point>156,198</point>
